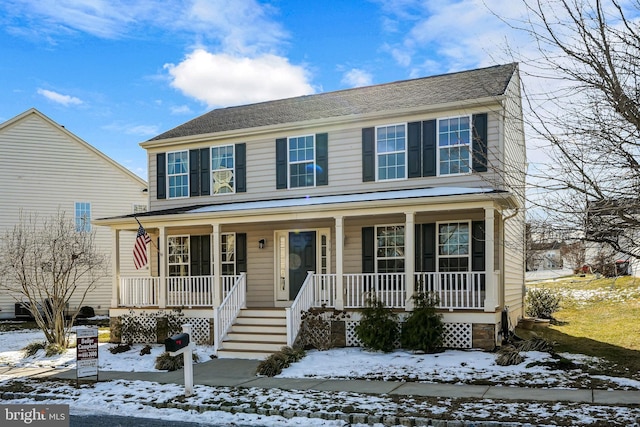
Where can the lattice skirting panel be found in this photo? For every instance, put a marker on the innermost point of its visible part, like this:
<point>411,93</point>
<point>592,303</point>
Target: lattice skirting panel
<point>200,329</point>
<point>456,335</point>
<point>143,329</point>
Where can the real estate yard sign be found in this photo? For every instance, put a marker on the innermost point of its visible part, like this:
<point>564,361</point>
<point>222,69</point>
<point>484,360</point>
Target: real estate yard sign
<point>87,352</point>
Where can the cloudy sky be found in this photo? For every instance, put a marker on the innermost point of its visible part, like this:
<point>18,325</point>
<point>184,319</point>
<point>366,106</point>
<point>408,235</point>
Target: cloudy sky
<point>119,72</point>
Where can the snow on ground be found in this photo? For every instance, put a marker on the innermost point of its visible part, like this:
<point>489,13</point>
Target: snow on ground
<point>149,399</point>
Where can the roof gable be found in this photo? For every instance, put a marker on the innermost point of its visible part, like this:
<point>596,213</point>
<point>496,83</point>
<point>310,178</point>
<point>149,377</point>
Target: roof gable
<point>34,113</point>
<point>434,90</point>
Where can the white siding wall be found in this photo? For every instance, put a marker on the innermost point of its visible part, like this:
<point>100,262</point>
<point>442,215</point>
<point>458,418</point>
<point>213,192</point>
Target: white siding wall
<point>45,170</point>
<point>345,162</point>
<point>514,229</point>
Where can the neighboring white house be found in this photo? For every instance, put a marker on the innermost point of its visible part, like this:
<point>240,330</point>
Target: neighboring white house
<point>262,211</point>
<point>46,169</point>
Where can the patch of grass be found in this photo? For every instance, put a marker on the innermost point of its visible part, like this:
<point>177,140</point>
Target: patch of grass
<point>32,348</point>
<point>598,317</point>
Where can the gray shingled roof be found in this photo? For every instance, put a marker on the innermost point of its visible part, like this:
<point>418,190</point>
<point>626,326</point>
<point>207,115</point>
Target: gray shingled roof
<point>445,88</point>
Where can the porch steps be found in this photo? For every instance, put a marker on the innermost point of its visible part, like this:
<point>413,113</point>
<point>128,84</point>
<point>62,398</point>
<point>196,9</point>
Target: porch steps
<point>256,334</point>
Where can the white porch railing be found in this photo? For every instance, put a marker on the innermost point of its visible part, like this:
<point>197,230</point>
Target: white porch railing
<point>187,291</point>
<point>190,291</point>
<point>303,302</point>
<point>225,315</point>
<point>463,290</point>
<point>139,291</point>
<point>386,287</point>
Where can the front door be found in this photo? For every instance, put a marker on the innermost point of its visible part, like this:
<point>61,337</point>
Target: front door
<point>296,255</point>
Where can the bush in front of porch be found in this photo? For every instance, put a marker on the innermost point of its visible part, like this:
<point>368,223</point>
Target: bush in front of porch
<point>378,329</point>
<point>423,329</point>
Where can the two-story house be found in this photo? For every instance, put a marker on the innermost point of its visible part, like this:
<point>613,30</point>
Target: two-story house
<point>259,212</point>
<point>47,170</point>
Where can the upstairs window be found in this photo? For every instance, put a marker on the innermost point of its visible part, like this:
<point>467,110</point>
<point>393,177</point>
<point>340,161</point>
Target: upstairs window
<point>302,162</point>
<point>391,152</point>
<point>178,174</point>
<point>83,216</point>
<point>223,169</point>
<point>453,246</point>
<point>454,145</point>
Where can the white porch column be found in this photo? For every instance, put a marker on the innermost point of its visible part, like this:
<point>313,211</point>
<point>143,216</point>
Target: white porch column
<point>339,301</point>
<point>409,258</point>
<point>217,266</point>
<point>162,268</point>
<point>115,262</point>
<point>491,280</point>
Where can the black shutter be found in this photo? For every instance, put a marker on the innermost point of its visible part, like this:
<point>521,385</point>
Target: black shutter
<point>161,175</point>
<point>414,158</point>
<point>241,168</point>
<point>200,255</point>
<point>322,159</point>
<point>368,155</point>
<point>428,247</point>
<point>194,173</point>
<point>205,172</point>
<point>368,250</point>
<point>418,247</point>
<point>477,246</point>
<point>479,138</point>
<point>281,163</point>
<point>241,252</point>
<point>429,148</point>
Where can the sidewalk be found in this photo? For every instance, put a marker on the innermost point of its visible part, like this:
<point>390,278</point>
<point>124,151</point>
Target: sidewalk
<point>241,373</point>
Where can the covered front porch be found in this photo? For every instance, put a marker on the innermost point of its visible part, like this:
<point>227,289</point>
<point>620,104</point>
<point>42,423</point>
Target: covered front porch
<point>218,260</point>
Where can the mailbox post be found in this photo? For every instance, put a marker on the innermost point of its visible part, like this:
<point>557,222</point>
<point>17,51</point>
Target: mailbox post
<point>181,344</point>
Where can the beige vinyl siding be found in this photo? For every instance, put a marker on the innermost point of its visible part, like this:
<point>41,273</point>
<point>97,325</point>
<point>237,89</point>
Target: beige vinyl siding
<point>345,163</point>
<point>46,169</point>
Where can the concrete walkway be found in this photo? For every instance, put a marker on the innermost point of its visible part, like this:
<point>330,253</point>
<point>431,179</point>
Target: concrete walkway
<point>241,373</point>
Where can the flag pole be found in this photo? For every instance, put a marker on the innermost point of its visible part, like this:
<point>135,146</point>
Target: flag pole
<point>145,230</point>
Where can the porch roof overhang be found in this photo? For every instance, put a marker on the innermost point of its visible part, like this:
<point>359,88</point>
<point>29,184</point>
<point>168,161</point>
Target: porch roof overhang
<point>353,204</point>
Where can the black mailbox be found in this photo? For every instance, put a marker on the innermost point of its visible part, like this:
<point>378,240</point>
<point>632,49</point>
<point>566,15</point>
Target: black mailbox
<point>176,342</point>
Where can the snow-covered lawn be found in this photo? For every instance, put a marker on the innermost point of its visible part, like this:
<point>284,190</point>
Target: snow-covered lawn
<point>148,399</point>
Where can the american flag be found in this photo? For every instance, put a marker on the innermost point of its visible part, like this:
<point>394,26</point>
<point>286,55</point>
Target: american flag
<point>140,248</point>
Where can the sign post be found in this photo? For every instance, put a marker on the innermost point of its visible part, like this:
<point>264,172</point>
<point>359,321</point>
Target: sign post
<point>86,353</point>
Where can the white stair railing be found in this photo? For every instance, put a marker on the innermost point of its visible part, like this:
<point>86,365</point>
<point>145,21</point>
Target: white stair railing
<point>303,302</point>
<point>227,312</point>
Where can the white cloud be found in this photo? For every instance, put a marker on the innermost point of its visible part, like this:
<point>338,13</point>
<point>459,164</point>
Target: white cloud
<point>132,129</point>
<point>356,77</point>
<point>181,109</point>
<point>59,98</point>
<point>225,80</point>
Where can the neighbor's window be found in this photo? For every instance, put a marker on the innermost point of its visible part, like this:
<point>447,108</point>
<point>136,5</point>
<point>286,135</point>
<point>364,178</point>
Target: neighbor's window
<point>454,145</point>
<point>302,161</point>
<point>178,174</point>
<point>222,169</point>
<point>453,246</point>
<point>390,249</point>
<point>391,152</point>
<point>178,261</point>
<point>83,216</point>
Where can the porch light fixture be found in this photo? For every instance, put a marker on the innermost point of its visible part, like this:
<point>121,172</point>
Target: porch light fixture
<point>262,243</point>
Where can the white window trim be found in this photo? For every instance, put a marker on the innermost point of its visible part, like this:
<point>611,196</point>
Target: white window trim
<point>289,162</point>
<point>211,170</point>
<point>458,145</point>
<point>87,227</point>
<point>235,254</point>
<point>406,151</point>
<point>375,236</point>
<point>438,256</point>
<point>186,173</point>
